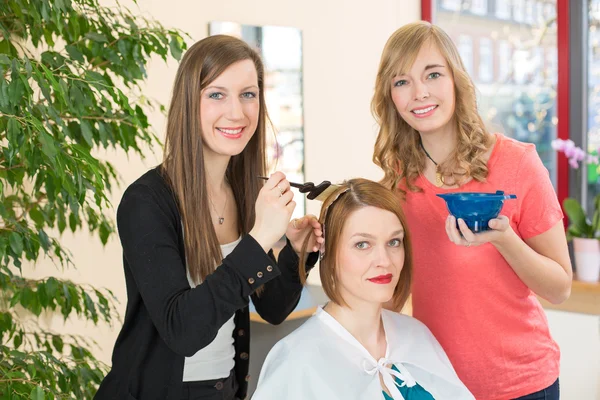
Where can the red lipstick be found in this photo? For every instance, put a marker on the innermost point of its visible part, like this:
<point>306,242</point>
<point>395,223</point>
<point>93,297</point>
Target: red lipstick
<point>381,279</point>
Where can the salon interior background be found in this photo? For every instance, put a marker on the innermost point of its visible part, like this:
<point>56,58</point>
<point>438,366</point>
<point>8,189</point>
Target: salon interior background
<point>511,49</point>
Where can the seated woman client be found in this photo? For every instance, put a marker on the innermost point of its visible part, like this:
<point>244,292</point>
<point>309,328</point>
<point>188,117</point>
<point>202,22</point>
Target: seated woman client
<point>353,348</point>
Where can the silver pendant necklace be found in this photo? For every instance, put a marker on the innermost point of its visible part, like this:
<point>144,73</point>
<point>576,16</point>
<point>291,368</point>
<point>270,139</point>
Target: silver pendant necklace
<point>221,218</point>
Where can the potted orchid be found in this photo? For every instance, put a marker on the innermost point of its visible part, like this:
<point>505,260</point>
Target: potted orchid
<point>584,233</point>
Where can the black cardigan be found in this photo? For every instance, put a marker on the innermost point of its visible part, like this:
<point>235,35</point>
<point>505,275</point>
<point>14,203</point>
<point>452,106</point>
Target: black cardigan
<point>165,319</point>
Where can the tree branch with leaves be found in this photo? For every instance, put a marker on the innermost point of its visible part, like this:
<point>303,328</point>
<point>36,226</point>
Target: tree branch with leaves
<point>70,83</point>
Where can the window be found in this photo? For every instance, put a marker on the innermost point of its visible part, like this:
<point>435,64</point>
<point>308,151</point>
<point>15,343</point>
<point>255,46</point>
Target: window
<point>521,65</point>
<point>486,60</point>
<point>529,11</point>
<point>452,5</point>
<point>504,61</point>
<point>551,65</point>
<point>519,11</point>
<point>538,66</point>
<point>479,7</point>
<point>503,9</point>
<point>465,48</point>
<point>593,94</point>
<point>515,76</point>
<point>539,12</point>
<point>549,11</point>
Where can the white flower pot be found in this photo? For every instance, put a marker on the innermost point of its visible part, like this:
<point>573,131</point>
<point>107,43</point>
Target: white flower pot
<point>587,259</point>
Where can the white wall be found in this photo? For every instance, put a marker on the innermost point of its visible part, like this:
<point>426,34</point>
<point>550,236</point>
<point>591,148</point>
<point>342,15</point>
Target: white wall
<point>342,42</point>
<point>578,336</point>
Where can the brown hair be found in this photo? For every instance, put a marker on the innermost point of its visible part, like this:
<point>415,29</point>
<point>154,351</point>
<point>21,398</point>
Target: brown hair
<point>351,196</point>
<point>183,163</point>
<point>397,148</point>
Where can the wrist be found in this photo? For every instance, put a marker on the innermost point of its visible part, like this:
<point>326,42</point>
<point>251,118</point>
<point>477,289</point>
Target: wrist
<point>506,239</point>
<point>260,240</point>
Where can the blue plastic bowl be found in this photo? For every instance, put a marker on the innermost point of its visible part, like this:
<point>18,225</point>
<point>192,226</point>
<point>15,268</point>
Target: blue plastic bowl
<point>476,208</point>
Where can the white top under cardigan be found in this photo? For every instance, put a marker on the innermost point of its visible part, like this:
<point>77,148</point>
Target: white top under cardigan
<point>215,360</point>
<point>322,360</point>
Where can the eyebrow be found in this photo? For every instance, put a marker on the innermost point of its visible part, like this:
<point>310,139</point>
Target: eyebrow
<point>431,66</point>
<point>368,235</point>
<point>428,67</point>
<point>225,89</point>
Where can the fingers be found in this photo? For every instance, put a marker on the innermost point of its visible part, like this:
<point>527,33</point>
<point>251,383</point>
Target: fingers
<point>274,180</point>
<point>290,207</point>
<point>464,236</point>
<point>283,186</point>
<point>451,231</point>
<point>467,234</point>
<point>314,221</point>
<point>499,224</point>
<point>447,228</point>
<point>307,220</point>
<point>286,198</point>
<point>320,242</point>
<point>311,223</point>
<point>278,186</point>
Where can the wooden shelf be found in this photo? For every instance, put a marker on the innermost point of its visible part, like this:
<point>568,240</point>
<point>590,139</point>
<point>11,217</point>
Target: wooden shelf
<point>584,299</point>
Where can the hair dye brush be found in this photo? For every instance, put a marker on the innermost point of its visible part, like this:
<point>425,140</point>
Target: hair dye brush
<point>319,192</point>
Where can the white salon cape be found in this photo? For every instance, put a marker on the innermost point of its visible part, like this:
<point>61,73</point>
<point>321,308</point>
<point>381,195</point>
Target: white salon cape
<point>322,360</point>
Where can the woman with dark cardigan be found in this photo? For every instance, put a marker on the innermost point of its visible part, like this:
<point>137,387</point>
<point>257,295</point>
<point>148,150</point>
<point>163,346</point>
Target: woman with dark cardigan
<point>196,233</point>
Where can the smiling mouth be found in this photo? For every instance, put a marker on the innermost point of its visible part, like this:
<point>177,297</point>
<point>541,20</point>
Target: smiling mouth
<point>231,131</point>
<point>422,111</point>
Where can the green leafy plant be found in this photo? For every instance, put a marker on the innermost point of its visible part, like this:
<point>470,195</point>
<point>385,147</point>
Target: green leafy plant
<point>70,75</point>
<point>580,226</point>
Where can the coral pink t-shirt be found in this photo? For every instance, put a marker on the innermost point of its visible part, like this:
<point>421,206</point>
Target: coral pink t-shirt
<point>488,321</point>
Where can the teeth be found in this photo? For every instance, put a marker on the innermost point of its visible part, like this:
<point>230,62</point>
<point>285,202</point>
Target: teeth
<point>230,131</point>
<point>424,110</point>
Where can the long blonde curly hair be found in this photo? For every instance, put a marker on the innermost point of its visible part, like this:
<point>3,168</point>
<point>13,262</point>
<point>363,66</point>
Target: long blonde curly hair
<point>397,149</point>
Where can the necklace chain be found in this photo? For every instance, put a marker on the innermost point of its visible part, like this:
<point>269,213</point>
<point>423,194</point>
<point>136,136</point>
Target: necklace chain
<point>221,218</point>
<point>439,179</point>
<point>427,154</point>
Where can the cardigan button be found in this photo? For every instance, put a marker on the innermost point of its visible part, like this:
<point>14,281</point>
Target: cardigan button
<point>270,269</point>
<point>219,386</point>
<point>244,356</point>
<point>251,281</point>
<point>241,332</point>
<point>247,378</point>
<point>259,274</point>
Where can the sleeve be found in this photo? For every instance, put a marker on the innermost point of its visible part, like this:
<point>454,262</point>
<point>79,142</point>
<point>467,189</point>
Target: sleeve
<point>539,206</point>
<point>186,319</point>
<point>281,295</point>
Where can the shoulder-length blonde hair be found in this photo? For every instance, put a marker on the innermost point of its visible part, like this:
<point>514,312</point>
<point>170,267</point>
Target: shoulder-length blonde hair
<point>183,163</point>
<point>397,149</point>
<point>349,197</point>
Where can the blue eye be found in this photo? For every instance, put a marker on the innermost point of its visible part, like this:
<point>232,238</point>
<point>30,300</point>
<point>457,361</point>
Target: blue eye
<point>395,242</point>
<point>362,245</point>
<point>400,82</point>
<point>216,96</point>
<point>434,75</point>
<point>249,95</point>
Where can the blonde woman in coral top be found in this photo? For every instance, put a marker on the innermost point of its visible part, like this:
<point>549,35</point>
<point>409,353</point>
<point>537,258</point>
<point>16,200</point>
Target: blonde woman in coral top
<point>476,292</point>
